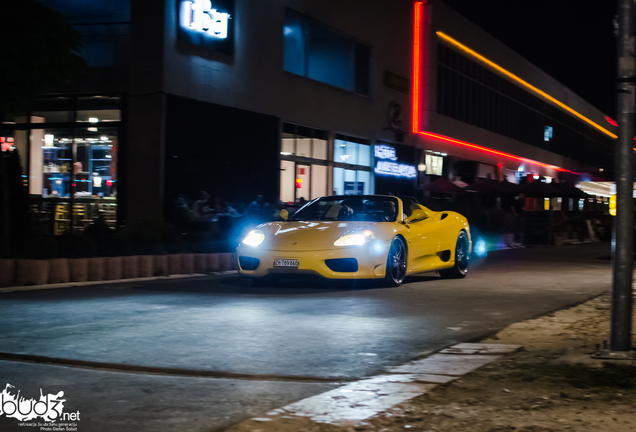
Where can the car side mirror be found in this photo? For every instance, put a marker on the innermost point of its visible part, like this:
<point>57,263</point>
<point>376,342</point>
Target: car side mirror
<point>284,214</point>
<point>417,216</point>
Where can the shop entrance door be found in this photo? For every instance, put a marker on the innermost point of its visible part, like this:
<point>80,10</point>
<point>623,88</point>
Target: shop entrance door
<point>303,176</point>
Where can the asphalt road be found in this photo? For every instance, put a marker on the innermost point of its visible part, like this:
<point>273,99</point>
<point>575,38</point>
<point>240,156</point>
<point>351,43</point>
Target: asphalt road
<point>283,342</point>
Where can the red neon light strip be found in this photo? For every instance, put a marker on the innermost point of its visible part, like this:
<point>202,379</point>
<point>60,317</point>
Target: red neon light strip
<point>417,97</point>
<point>417,35</point>
<point>488,150</point>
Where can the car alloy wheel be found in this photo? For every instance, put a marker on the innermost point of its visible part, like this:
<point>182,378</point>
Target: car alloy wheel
<point>396,263</point>
<point>462,259</point>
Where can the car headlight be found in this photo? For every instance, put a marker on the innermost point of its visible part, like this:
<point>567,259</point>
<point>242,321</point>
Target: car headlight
<point>254,238</point>
<point>356,239</point>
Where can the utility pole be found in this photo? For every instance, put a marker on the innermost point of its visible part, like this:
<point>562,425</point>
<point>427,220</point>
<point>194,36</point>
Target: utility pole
<point>621,325</point>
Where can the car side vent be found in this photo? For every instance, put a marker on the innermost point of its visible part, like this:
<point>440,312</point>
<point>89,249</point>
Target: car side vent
<point>444,255</point>
<point>343,265</point>
<point>444,216</point>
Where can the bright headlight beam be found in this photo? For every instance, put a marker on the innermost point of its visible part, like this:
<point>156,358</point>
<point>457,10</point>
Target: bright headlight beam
<point>254,238</point>
<point>356,239</point>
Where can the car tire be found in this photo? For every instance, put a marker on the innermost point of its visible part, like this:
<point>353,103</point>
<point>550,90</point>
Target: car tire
<point>462,259</point>
<point>396,263</point>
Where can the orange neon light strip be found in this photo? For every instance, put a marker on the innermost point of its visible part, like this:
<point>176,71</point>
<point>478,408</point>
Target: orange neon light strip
<point>498,68</point>
<point>488,150</point>
<point>417,35</point>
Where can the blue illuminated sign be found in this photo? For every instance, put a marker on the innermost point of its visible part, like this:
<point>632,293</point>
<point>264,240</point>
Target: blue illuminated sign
<point>207,23</point>
<point>387,163</point>
<point>200,16</point>
<point>547,133</point>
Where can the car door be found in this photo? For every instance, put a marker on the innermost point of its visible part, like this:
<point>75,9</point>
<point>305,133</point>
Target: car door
<point>425,241</point>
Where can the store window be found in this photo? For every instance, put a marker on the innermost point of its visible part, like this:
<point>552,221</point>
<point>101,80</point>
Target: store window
<point>93,170</point>
<point>352,166</point>
<point>434,164</point>
<point>315,51</point>
<point>68,149</point>
<point>304,159</point>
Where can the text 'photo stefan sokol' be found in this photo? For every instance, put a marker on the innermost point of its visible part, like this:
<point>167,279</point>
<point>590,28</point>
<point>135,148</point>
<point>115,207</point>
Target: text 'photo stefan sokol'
<point>49,407</point>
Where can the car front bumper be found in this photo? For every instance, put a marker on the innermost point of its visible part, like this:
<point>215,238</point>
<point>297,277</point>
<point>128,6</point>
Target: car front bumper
<point>371,261</point>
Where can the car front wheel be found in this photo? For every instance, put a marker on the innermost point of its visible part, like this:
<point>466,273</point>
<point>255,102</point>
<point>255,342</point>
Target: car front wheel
<point>462,257</point>
<point>396,263</point>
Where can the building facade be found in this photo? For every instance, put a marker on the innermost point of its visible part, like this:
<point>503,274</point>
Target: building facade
<point>291,99</point>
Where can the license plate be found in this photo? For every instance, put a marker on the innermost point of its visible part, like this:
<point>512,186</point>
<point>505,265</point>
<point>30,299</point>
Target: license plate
<point>293,263</point>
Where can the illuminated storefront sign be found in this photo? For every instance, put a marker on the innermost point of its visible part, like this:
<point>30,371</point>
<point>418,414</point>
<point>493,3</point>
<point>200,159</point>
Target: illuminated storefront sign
<point>201,16</point>
<point>387,163</point>
<point>207,23</point>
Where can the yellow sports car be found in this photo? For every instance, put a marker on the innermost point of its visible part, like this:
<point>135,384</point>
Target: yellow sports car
<point>358,237</point>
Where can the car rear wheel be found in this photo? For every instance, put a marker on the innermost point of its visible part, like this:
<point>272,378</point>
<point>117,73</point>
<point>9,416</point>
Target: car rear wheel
<point>462,258</point>
<point>396,263</point>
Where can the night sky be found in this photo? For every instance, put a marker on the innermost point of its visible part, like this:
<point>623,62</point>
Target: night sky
<point>573,41</point>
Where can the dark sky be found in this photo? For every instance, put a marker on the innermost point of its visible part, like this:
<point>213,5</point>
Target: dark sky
<point>573,41</point>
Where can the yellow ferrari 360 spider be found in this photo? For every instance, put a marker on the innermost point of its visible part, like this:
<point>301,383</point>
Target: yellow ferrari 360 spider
<point>358,237</point>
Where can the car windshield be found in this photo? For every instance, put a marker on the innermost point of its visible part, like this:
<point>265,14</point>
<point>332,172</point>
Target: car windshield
<point>349,208</point>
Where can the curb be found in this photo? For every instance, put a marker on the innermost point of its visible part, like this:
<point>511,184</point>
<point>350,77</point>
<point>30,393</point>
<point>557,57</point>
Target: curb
<point>110,282</point>
<point>158,370</point>
<point>360,400</point>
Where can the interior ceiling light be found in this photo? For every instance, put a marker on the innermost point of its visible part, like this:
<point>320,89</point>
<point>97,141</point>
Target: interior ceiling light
<point>512,76</point>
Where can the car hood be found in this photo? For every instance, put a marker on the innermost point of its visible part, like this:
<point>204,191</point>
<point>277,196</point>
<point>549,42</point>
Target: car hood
<point>308,235</point>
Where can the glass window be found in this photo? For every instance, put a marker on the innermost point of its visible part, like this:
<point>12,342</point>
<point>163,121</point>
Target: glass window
<point>6,141</point>
<point>352,153</point>
<point>303,147</point>
<point>434,164</point>
<point>13,119</point>
<point>55,173</point>
<point>352,182</point>
<point>320,149</point>
<point>315,51</point>
<point>50,170</point>
<point>318,181</point>
<point>300,178</point>
<point>287,147</point>
<point>96,162</point>
<point>93,11</point>
<point>95,109</point>
<point>52,110</point>
<point>104,45</point>
<point>364,178</point>
<point>364,154</point>
<point>287,183</point>
<point>330,57</point>
<point>295,60</point>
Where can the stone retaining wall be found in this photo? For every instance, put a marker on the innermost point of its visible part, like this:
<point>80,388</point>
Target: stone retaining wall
<point>20,272</point>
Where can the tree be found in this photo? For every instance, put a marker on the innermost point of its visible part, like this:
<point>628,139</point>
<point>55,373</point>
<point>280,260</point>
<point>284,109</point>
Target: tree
<point>39,52</point>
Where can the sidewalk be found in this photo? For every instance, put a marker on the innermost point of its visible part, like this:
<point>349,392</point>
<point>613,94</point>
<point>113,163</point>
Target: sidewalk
<point>552,384</point>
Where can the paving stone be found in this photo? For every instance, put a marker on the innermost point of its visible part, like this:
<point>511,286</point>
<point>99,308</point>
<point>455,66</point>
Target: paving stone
<point>445,364</point>
<point>477,348</point>
<point>362,399</point>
